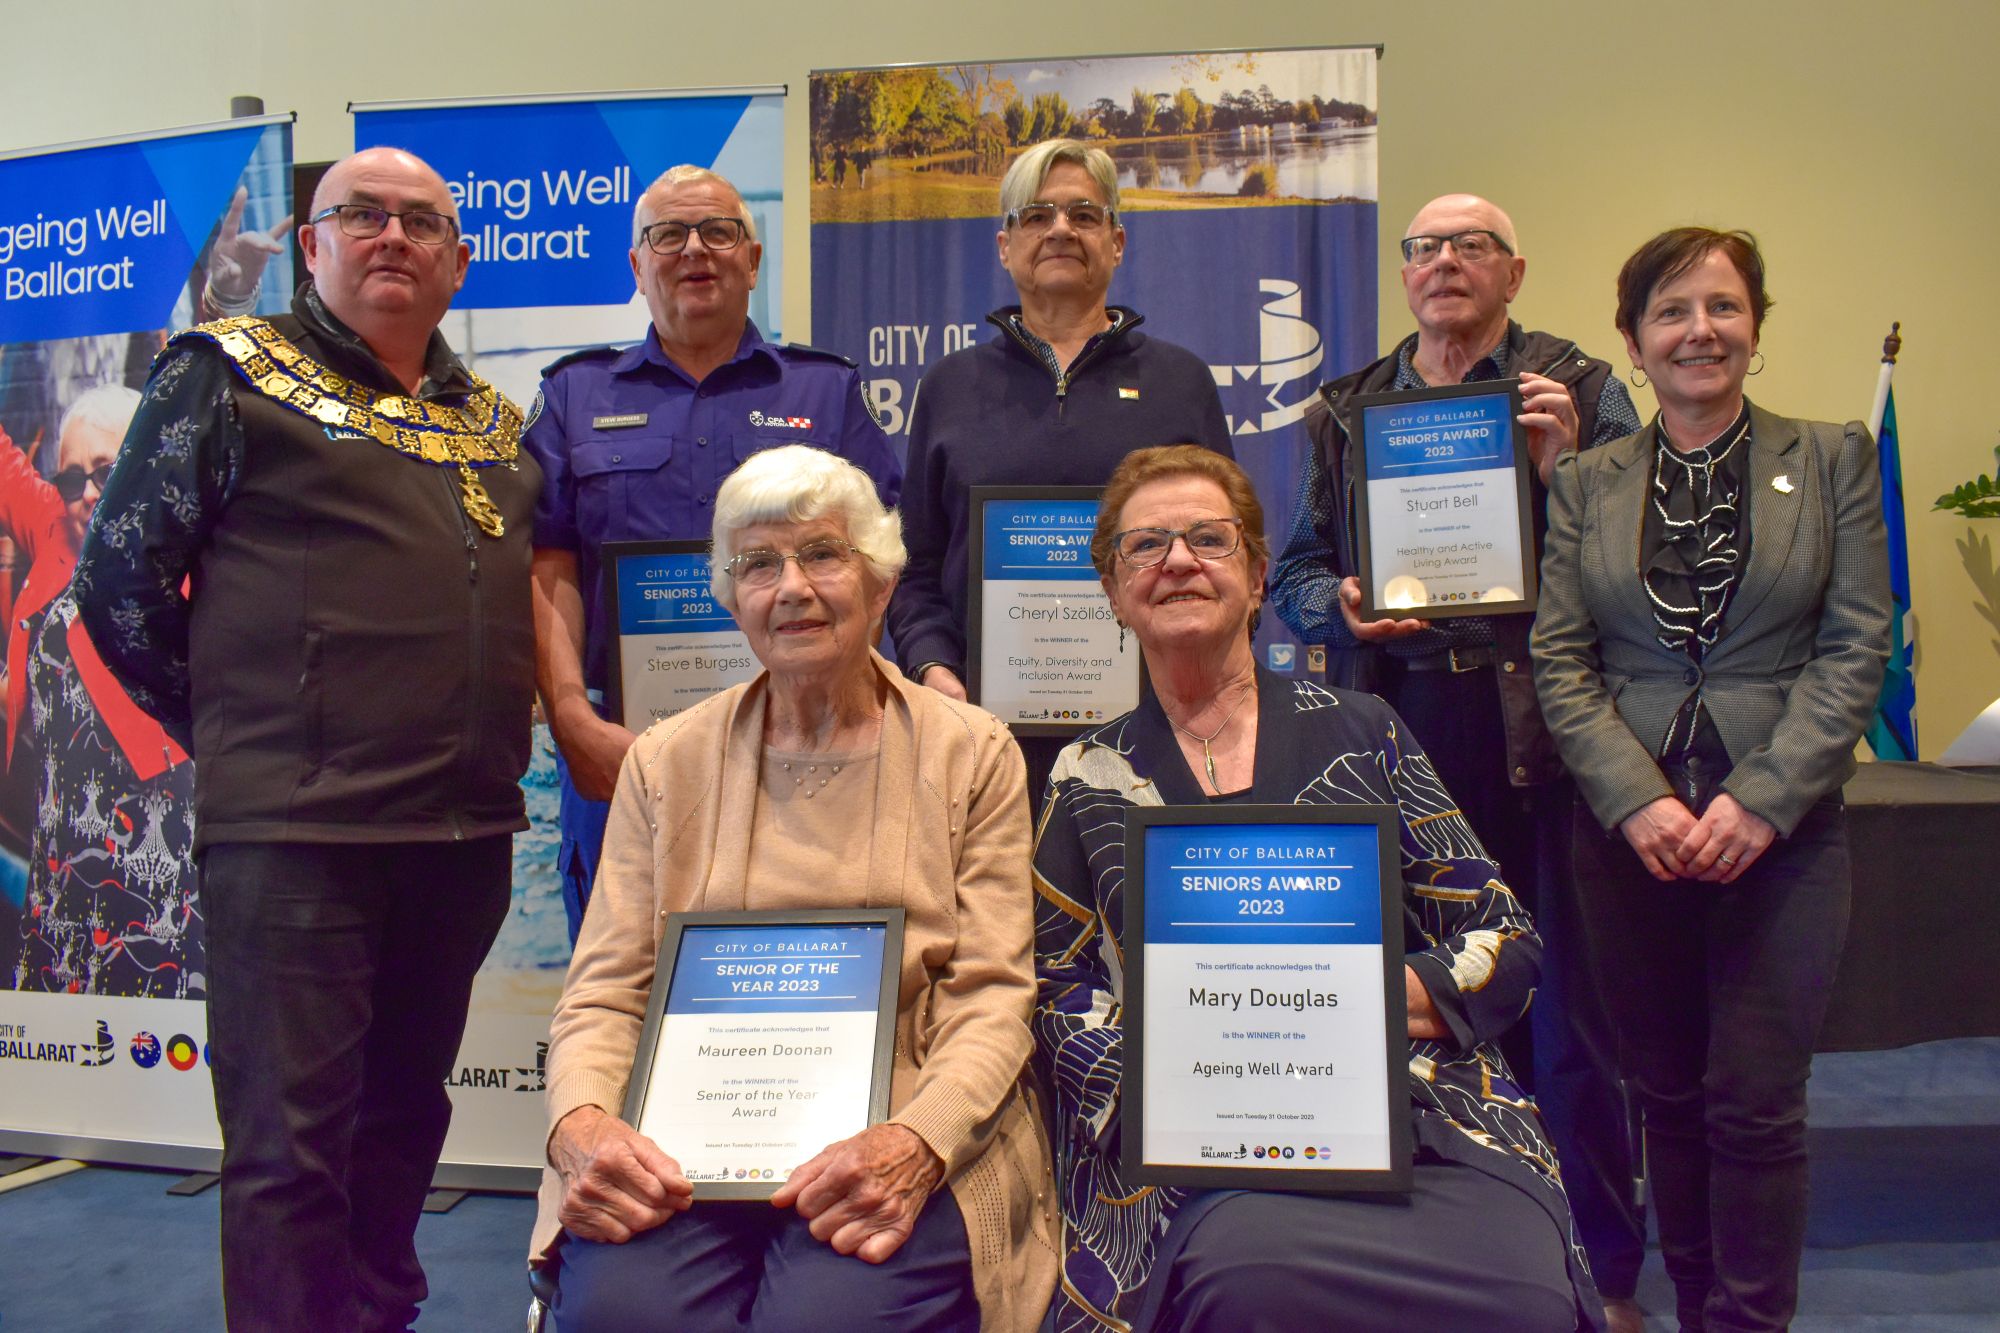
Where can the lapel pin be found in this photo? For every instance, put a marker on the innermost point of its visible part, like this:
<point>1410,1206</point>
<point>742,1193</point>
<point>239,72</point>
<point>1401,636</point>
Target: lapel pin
<point>1782,484</point>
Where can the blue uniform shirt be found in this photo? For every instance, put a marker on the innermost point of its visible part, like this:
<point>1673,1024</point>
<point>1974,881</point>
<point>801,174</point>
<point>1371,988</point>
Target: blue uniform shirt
<point>632,449</point>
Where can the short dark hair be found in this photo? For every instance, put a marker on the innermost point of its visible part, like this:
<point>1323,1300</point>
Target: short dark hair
<point>1673,253</point>
<point>1176,460</point>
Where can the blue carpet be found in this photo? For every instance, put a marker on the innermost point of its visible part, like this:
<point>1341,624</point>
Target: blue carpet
<point>1904,1232</point>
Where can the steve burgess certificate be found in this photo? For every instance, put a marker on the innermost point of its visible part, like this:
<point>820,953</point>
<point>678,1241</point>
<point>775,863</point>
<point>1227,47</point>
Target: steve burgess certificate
<point>1265,1037</point>
<point>767,1037</point>
<point>1444,521</point>
<point>1041,642</point>
<point>675,644</point>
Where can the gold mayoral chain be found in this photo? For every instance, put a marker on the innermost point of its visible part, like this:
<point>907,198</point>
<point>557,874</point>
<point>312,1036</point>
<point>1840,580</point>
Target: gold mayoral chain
<point>484,432</point>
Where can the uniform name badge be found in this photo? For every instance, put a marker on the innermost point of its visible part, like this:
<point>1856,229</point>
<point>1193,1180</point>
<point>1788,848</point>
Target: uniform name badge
<point>1442,516</point>
<point>1265,1023</point>
<point>768,1036</point>
<point>1042,644</point>
<point>675,644</point>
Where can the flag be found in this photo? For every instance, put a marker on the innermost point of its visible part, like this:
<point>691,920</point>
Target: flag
<point>1892,731</point>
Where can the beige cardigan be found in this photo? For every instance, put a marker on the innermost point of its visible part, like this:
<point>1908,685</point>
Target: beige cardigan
<point>950,848</point>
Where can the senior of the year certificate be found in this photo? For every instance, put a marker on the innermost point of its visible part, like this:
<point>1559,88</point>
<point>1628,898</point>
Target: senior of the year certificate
<point>1265,1021</point>
<point>768,1036</point>
<point>674,643</point>
<point>1443,519</point>
<point>1042,643</point>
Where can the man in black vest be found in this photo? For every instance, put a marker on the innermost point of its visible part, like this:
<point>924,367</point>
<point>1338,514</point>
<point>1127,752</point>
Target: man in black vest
<point>352,668</point>
<point>1464,685</point>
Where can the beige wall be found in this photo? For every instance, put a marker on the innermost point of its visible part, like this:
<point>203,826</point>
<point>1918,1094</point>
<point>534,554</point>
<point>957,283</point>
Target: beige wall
<point>1857,139</point>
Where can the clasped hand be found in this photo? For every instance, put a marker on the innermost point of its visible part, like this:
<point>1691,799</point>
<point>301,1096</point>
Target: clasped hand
<point>861,1195</point>
<point>1716,848</point>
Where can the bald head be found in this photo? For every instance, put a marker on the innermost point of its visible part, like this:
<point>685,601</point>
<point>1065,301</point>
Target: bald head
<point>337,185</point>
<point>1448,213</point>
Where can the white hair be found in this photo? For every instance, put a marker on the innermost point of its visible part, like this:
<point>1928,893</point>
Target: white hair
<point>642,215</point>
<point>1023,180</point>
<point>109,407</point>
<point>797,484</point>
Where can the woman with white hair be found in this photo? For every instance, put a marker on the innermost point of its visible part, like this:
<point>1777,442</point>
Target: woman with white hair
<point>1058,397</point>
<point>828,781</point>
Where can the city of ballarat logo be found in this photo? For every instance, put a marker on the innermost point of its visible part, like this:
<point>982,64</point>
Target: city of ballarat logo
<point>1236,1154</point>
<point>100,1052</point>
<point>505,1078</point>
<point>1290,352</point>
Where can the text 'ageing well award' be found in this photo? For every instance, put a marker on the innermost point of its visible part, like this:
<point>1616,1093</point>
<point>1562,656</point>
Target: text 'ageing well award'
<point>1265,1020</point>
<point>1042,643</point>
<point>1443,519</point>
<point>768,1036</point>
<point>675,644</point>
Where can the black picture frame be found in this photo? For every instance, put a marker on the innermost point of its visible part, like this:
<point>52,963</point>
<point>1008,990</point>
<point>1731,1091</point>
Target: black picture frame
<point>645,1058</point>
<point>975,598</point>
<point>1135,1169</point>
<point>1358,408</point>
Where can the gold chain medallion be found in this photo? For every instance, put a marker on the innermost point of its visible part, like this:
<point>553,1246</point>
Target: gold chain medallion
<point>483,431</point>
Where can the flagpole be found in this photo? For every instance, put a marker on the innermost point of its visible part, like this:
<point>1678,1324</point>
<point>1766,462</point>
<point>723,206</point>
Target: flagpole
<point>1891,345</point>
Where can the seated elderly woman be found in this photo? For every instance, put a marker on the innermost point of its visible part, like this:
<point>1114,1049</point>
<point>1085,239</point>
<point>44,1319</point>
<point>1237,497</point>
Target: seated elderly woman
<point>1484,1239</point>
<point>828,781</point>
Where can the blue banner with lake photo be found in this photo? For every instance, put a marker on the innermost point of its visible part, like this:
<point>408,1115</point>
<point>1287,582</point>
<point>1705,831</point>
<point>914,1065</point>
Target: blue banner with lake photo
<point>1248,195</point>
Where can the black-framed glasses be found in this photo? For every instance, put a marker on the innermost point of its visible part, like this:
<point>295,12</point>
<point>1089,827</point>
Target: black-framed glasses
<point>1471,247</point>
<point>670,238</point>
<point>365,222</point>
<point>816,559</point>
<point>1210,539</point>
<point>1083,215</point>
<point>72,481</point>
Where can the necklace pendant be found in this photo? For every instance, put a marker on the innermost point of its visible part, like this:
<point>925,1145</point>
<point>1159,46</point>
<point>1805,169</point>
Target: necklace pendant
<point>1208,762</point>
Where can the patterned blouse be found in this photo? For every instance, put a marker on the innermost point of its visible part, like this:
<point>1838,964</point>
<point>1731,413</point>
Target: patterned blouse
<point>1466,936</point>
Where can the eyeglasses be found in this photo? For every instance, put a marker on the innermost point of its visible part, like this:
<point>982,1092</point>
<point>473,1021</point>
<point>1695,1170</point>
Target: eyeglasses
<point>1471,247</point>
<point>72,481</point>
<point>1083,215</point>
<point>1210,539</point>
<point>365,222</point>
<point>670,238</point>
<point>817,560</point>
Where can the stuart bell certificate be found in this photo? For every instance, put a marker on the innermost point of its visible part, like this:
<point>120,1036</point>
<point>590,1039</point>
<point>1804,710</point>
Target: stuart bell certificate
<point>1265,1023</point>
<point>1445,502</point>
<point>1046,655</point>
<point>766,1049</point>
<point>676,644</point>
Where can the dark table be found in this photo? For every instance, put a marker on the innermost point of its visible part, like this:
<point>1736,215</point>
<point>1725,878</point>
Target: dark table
<point>1923,947</point>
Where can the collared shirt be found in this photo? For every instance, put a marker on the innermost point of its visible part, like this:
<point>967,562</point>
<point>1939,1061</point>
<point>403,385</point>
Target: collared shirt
<point>633,449</point>
<point>1313,612</point>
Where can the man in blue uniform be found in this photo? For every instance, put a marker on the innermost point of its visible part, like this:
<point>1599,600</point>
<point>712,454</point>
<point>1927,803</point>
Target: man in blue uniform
<point>633,443</point>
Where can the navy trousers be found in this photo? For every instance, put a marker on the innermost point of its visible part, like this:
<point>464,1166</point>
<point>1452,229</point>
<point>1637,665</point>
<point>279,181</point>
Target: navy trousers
<point>1566,1052</point>
<point>339,976</point>
<point>1718,994</point>
<point>721,1267</point>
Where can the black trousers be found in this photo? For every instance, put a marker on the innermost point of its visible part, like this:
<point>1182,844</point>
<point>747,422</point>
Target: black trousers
<point>339,976</point>
<point>1566,1053</point>
<point>1718,994</point>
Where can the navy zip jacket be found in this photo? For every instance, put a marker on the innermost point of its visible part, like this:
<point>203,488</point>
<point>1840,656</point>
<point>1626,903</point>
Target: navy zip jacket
<point>999,415</point>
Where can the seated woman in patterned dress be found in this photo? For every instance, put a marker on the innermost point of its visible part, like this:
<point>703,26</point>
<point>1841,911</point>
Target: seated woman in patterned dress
<point>1484,1239</point>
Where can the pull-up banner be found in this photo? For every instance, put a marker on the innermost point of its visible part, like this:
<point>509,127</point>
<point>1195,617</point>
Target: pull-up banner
<point>1247,185</point>
<point>545,189</point>
<point>105,249</point>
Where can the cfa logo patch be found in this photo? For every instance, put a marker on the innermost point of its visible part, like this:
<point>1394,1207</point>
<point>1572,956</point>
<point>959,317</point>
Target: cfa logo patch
<point>1289,350</point>
<point>790,423</point>
<point>534,411</point>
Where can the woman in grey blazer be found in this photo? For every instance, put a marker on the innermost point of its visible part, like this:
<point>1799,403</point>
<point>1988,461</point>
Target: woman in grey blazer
<point>1713,626</point>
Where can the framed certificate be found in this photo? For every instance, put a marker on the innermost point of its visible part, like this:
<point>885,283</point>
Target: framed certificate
<point>674,644</point>
<point>1443,520</point>
<point>768,1036</point>
<point>1265,1024</point>
<point>1042,649</point>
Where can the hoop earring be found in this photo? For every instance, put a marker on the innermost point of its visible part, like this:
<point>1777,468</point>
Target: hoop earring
<point>1760,366</point>
<point>1638,378</point>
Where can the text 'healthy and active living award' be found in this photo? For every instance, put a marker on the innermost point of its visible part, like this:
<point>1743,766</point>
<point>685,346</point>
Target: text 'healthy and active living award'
<point>675,644</point>
<point>1042,642</point>
<point>1265,1021</point>
<point>768,1037</point>
<point>1443,515</point>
